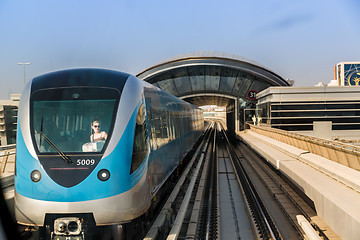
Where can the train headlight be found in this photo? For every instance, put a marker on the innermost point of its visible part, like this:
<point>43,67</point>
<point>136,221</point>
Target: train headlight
<point>60,227</point>
<point>73,226</point>
<point>35,176</point>
<point>67,226</point>
<point>103,175</point>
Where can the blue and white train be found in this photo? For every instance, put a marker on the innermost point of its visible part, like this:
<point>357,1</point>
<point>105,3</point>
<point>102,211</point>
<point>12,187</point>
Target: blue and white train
<point>65,181</point>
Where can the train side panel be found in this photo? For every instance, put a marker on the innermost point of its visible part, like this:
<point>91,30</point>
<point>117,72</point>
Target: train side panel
<point>174,126</point>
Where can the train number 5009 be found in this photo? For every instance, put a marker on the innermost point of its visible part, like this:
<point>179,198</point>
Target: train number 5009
<point>85,162</point>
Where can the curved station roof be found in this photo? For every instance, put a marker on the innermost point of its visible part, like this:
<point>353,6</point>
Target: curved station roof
<point>211,78</point>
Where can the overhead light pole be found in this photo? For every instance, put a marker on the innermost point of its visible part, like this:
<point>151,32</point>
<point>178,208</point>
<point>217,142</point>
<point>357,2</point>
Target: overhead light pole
<point>24,64</point>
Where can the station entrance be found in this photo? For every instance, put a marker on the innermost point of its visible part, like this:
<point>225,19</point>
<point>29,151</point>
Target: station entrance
<point>211,78</point>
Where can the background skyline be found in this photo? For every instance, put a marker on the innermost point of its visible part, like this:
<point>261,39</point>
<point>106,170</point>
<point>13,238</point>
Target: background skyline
<point>299,40</point>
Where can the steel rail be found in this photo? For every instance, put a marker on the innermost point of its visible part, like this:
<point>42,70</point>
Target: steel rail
<point>212,218</point>
<point>265,225</point>
<point>208,222</point>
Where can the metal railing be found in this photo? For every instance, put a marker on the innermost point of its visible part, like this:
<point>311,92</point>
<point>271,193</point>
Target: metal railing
<point>5,152</point>
<point>345,154</point>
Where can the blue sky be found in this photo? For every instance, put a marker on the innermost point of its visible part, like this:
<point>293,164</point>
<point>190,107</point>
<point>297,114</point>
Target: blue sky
<point>300,39</point>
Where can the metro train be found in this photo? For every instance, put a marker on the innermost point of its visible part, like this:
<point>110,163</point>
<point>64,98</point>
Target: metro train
<point>94,146</point>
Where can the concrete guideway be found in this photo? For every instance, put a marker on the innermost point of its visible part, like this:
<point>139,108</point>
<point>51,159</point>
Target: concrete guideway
<point>332,187</point>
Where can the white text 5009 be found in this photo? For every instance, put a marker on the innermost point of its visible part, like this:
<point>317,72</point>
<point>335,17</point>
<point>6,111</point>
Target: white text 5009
<point>85,162</point>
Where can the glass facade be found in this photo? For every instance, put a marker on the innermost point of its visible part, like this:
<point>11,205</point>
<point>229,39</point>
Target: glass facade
<point>185,80</point>
<point>10,119</point>
<point>299,116</point>
<point>140,144</point>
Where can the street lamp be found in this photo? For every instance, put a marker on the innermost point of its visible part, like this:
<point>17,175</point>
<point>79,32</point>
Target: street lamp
<point>28,63</point>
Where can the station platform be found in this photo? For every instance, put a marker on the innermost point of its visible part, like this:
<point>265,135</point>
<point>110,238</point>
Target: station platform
<point>333,187</point>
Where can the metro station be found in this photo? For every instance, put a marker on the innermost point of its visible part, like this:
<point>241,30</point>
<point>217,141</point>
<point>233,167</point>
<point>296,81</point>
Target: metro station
<point>290,171</point>
<point>212,78</point>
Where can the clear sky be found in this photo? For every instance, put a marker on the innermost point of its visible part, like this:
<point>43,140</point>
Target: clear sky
<point>298,39</point>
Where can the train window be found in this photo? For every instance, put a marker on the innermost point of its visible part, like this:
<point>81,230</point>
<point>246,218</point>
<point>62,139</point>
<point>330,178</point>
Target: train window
<point>140,140</point>
<point>61,123</point>
<point>164,128</point>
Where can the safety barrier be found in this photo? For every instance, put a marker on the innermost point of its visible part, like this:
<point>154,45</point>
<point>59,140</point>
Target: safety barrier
<point>7,156</point>
<point>345,154</point>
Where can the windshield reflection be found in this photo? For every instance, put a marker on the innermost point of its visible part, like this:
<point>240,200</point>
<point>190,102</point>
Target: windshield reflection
<point>69,124</point>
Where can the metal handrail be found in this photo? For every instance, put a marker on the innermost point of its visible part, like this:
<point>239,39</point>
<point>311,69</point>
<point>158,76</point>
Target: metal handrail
<point>8,151</point>
<point>6,147</point>
<point>345,154</point>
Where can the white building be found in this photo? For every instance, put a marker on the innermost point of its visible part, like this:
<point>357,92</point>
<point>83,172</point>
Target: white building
<point>8,119</point>
<point>331,112</point>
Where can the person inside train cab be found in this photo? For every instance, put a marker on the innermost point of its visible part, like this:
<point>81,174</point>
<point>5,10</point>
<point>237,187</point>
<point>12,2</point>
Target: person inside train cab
<point>97,135</point>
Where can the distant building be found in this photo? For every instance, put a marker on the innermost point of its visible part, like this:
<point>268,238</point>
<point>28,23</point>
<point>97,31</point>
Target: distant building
<point>8,119</point>
<point>331,112</point>
<point>348,73</point>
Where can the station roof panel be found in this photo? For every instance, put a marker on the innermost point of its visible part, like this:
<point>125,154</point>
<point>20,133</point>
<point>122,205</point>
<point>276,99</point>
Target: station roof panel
<point>204,73</point>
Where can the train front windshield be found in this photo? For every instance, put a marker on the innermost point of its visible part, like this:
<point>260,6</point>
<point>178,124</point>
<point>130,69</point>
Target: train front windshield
<point>73,120</point>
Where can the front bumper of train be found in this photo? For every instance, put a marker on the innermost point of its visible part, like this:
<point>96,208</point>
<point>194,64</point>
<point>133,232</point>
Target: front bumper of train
<point>106,211</point>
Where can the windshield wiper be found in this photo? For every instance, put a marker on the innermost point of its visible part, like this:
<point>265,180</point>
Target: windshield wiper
<point>62,154</point>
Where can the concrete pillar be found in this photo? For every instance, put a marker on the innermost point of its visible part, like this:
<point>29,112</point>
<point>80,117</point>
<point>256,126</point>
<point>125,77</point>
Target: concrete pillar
<point>322,129</point>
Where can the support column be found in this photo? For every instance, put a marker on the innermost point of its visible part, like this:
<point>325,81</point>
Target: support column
<point>237,122</point>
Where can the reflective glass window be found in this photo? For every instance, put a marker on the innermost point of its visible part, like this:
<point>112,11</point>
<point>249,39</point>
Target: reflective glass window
<point>227,80</point>
<point>212,77</point>
<point>346,127</point>
<point>63,119</point>
<point>140,139</point>
<point>299,106</point>
<point>181,80</point>
<point>259,85</point>
<point>343,106</point>
<point>197,77</point>
<point>168,86</point>
<point>242,84</point>
<point>342,113</point>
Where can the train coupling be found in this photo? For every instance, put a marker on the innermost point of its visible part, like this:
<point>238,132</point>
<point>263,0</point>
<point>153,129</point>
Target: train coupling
<point>68,228</point>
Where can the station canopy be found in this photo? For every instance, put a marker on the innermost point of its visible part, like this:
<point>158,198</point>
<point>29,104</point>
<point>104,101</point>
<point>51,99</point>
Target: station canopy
<point>211,78</point>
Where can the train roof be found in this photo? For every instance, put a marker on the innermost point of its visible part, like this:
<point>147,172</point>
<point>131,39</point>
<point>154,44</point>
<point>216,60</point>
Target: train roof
<point>89,77</point>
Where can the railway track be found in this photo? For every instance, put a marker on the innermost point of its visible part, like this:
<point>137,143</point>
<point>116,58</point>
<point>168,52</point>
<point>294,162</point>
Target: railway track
<point>290,200</point>
<point>227,180</point>
<point>263,224</point>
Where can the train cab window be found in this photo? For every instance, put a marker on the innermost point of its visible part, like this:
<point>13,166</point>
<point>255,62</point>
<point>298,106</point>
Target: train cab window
<point>62,119</point>
<point>140,140</point>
